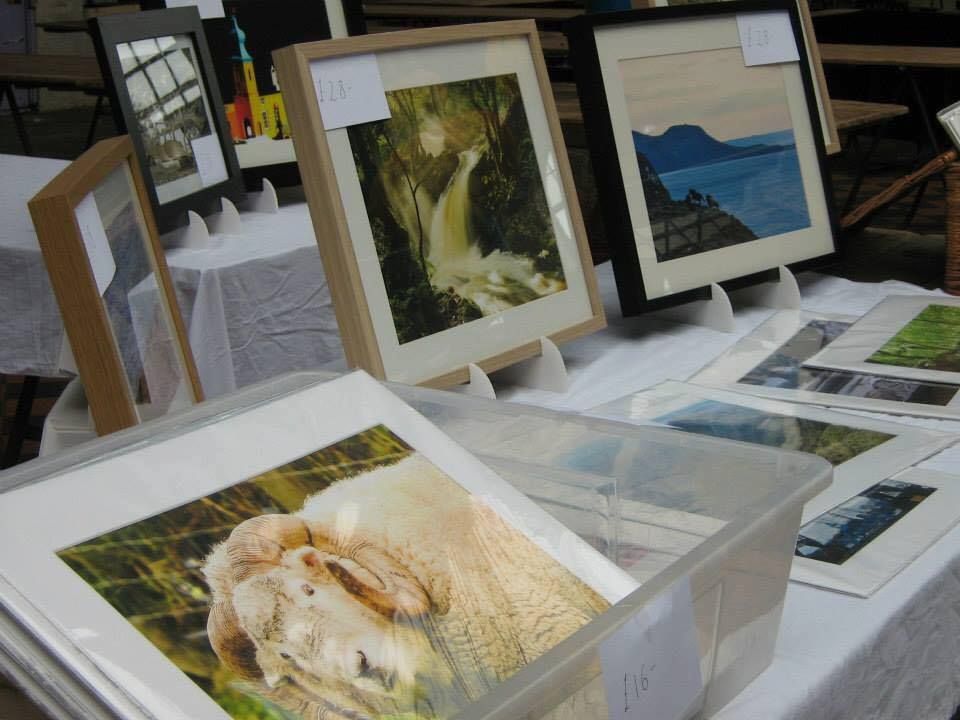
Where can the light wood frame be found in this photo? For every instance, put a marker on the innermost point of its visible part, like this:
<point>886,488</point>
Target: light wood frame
<point>85,317</point>
<point>329,216</point>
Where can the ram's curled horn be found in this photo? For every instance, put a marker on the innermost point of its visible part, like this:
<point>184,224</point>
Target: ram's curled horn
<point>380,582</point>
<point>257,545</point>
<point>230,641</point>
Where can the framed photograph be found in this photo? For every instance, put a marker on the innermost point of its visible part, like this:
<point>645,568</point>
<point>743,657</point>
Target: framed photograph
<point>450,231</point>
<point>109,275</point>
<point>708,169</point>
<point>335,555</point>
<point>862,450</point>
<point>831,140</point>
<point>915,337</point>
<point>164,93</point>
<point>769,362</point>
<point>862,541</point>
<point>240,43</point>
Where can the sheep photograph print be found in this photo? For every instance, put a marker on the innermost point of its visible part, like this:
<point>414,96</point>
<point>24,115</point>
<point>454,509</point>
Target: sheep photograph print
<point>456,204</point>
<point>715,148</point>
<point>358,581</point>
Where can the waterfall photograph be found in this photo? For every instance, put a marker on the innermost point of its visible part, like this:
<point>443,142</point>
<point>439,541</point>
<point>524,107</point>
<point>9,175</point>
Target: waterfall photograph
<point>456,204</point>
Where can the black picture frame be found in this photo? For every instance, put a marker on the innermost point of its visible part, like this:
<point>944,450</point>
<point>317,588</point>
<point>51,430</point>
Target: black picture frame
<point>602,143</point>
<point>109,33</point>
<point>267,25</point>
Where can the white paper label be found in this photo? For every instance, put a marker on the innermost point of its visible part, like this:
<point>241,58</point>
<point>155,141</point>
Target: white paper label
<point>209,158</point>
<point>206,8</point>
<point>95,241</point>
<point>651,665</point>
<point>767,38</point>
<point>349,90</point>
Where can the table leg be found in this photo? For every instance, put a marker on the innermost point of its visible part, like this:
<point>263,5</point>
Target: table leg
<point>21,420</point>
<point>97,107</point>
<point>17,118</point>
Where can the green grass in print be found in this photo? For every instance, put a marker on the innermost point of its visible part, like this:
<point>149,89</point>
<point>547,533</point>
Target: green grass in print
<point>456,204</point>
<point>931,341</point>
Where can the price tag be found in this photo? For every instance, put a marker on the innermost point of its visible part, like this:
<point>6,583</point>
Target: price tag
<point>349,90</point>
<point>767,38</point>
<point>651,665</point>
<point>209,158</point>
<point>95,241</point>
<point>207,8</point>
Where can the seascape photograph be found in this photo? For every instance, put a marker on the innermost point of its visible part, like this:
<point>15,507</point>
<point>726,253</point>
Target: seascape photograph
<point>834,443</point>
<point>931,341</point>
<point>784,368</point>
<point>715,148</point>
<point>456,204</point>
<point>842,532</point>
<point>358,581</point>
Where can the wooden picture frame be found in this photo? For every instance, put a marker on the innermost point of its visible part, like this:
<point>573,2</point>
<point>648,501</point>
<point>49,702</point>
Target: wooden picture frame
<point>254,106</point>
<point>167,98</point>
<point>110,278</point>
<point>831,139</point>
<point>709,221</point>
<point>395,341</point>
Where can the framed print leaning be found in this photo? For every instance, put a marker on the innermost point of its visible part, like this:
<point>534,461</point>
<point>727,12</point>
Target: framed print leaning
<point>708,169</point>
<point>769,362</point>
<point>164,93</point>
<point>240,43</point>
<point>916,337</point>
<point>337,556</point>
<point>109,275</point>
<point>448,223</point>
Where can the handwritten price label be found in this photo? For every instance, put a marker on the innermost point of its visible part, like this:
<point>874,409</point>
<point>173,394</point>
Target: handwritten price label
<point>349,90</point>
<point>651,664</point>
<point>767,38</point>
<point>96,243</point>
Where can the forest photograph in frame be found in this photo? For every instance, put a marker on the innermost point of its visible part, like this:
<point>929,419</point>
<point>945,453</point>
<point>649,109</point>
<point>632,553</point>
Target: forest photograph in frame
<point>458,239</point>
<point>164,94</point>
<point>708,169</point>
<point>456,203</point>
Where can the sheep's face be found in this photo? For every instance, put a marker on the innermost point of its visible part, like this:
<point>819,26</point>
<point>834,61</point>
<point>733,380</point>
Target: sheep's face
<point>312,630</point>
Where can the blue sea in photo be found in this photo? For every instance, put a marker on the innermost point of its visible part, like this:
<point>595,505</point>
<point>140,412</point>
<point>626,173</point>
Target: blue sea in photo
<point>764,192</point>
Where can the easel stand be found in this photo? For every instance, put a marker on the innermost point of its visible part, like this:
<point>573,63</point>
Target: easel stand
<point>229,221</point>
<point>717,312</point>
<point>546,371</point>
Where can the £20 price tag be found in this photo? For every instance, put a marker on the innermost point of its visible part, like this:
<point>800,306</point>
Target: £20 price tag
<point>651,664</point>
<point>349,90</point>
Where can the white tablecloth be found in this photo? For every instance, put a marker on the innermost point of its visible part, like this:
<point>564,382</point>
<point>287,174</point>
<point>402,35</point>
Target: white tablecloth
<point>893,656</point>
<point>31,331</point>
<point>255,305</point>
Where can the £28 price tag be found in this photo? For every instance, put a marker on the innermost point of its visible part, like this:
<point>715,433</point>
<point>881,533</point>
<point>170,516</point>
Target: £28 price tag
<point>349,90</point>
<point>651,664</point>
<point>767,38</point>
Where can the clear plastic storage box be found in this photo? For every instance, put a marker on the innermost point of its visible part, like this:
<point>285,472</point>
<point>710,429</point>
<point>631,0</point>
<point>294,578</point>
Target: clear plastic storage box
<point>661,505</point>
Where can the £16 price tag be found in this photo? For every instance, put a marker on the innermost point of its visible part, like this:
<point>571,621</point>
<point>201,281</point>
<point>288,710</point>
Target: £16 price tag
<point>767,38</point>
<point>651,664</point>
<point>349,90</point>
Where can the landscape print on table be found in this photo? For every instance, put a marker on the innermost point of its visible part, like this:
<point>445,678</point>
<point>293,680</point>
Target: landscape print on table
<point>834,443</point>
<point>358,581</point>
<point>842,532</point>
<point>169,100</point>
<point>784,368</point>
<point>930,341</point>
<point>456,204</point>
<point>716,151</point>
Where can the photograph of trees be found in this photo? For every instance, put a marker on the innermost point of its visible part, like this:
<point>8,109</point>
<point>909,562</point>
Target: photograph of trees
<point>456,204</point>
<point>930,341</point>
